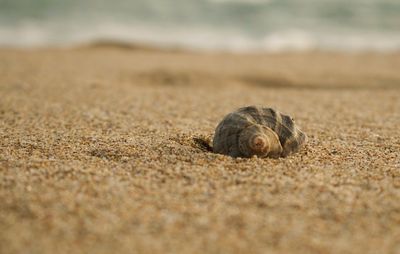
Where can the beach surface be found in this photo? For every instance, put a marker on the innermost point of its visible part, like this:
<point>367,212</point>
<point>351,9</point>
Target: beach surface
<point>97,152</point>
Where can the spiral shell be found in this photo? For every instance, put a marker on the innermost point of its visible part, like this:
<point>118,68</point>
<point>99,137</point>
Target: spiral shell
<point>257,131</point>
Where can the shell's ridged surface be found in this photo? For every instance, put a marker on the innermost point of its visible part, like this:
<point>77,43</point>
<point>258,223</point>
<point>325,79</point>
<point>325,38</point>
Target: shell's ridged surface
<point>227,132</point>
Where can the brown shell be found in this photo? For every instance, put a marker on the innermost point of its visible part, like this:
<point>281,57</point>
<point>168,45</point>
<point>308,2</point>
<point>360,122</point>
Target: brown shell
<point>259,131</point>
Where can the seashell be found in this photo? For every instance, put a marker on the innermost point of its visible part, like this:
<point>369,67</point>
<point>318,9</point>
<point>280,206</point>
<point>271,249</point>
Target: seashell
<point>257,131</point>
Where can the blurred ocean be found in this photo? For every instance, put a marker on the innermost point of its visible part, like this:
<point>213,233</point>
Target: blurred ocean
<point>237,25</point>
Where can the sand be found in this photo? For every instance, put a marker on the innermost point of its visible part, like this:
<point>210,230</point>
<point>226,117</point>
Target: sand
<point>97,153</point>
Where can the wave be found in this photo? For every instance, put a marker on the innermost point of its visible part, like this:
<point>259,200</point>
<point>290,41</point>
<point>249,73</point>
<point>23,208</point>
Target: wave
<point>34,35</point>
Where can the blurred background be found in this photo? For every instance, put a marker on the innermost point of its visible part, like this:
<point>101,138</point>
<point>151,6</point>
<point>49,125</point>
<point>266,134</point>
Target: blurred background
<point>234,25</point>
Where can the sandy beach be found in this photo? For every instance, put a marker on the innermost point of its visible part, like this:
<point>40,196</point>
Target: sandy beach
<point>97,152</point>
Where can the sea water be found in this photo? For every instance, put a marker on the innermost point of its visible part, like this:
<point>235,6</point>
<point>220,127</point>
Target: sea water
<point>234,25</point>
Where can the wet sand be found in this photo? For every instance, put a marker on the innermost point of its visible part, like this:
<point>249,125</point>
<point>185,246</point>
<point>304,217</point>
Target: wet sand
<point>97,153</point>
